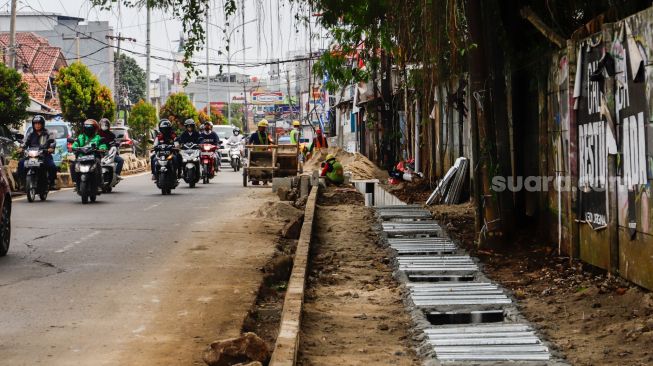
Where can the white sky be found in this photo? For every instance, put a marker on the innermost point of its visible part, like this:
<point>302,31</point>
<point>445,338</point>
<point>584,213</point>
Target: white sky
<point>276,21</point>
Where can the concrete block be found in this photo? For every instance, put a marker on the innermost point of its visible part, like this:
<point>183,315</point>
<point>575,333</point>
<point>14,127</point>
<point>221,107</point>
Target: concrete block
<point>285,183</point>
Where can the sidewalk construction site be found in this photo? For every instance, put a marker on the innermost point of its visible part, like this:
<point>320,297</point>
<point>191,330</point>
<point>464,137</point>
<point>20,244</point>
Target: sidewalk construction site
<point>361,277</point>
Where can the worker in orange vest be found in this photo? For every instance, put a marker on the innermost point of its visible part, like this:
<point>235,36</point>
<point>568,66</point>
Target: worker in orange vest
<point>319,141</point>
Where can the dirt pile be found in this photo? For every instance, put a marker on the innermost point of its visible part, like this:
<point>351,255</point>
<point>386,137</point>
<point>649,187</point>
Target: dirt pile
<point>593,318</point>
<point>278,211</point>
<point>356,163</point>
<point>353,314</point>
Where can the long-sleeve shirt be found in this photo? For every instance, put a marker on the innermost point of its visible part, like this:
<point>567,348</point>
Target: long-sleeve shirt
<point>187,137</point>
<point>210,138</point>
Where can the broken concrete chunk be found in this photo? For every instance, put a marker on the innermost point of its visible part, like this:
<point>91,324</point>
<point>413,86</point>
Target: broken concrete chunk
<point>292,229</point>
<point>243,350</point>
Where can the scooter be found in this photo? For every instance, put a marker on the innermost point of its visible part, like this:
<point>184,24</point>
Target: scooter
<point>36,178</point>
<point>88,169</point>
<point>190,157</point>
<point>207,158</point>
<point>165,169</point>
<point>235,156</point>
<point>109,176</point>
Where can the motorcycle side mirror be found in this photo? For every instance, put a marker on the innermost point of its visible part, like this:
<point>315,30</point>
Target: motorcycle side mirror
<point>70,139</point>
<point>18,137</point>
<point>51,141</point>
<point>322,164</point>
<point>93,145</point>
<point>150,141</point>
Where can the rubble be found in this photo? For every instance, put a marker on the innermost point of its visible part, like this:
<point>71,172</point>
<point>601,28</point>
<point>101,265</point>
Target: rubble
<point>243,350</point>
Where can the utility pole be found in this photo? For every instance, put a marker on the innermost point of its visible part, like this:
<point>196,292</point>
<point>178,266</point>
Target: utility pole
<point>12,35</point>
<point>148,53</point>
<point>116,62</point>
<point>292,114</point>
<point>208,75</point>
<point>246,121</point>
<point>77,42</point>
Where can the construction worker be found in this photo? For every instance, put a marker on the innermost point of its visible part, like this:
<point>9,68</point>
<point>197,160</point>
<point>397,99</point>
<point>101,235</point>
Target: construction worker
<point>260,136</point>
<point>295,133</point>
<point>319,141</point>
<point>333,170</point>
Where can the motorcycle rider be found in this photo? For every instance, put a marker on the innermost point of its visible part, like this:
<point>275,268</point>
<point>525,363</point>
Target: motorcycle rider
<point>38,138</point>
<point>236,138</point>
<point>107,138</point>
<point>89,136</point>
<point>208,136</point>
<point>165,136</point>
<point>190,135</point>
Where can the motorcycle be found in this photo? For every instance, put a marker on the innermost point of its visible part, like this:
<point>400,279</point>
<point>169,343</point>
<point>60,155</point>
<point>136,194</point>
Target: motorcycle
<point>235,156</point>
<point>109,176</point>
<point>207,157</point>
<point>190,157</point>
<point>165,169</point>
<point>36,177</point>
<point>88,169</point>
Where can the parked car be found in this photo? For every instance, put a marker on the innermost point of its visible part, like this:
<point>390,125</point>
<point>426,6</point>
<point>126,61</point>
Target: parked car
<point>128,145</point>
<point>5,214</point>
<point>60,131</point>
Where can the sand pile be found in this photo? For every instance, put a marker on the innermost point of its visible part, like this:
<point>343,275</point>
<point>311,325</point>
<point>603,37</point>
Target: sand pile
<point>279,211</point>
<point>359,166</point>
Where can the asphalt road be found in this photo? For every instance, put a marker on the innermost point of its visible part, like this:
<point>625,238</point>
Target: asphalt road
<point>80,282</point>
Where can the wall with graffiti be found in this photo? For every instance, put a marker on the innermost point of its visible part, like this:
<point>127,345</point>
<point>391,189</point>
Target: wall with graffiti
<point>600,134</point>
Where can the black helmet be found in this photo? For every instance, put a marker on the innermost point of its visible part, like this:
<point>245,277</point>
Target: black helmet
<point>236,131</point>
<point>105,124</point>
<point>38,119</point>
<point>189,123</point>
<point>90,127</point>
<point>165,127</point>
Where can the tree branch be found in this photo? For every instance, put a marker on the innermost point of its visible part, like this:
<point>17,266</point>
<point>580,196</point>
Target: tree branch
<point>528,14</point>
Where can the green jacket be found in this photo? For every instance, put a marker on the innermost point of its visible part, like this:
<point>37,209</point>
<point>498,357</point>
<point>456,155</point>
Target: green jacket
<point>336,173</point>
<point>294,136</point>
<point>84,140</point>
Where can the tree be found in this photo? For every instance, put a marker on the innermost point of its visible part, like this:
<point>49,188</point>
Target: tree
<point>217,117</point>
<point>177,109</point>
<point>82,96</point>
<point>102,104</point>
<point>132,78</point>
<point>14,97</point>
<point>236,114</point>
<point>142,120</point>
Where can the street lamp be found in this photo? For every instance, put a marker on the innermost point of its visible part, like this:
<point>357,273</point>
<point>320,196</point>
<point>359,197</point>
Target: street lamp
<point>229,55</point>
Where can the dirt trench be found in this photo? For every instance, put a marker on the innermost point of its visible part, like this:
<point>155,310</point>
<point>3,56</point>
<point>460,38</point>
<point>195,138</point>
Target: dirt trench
<point>353,313</point>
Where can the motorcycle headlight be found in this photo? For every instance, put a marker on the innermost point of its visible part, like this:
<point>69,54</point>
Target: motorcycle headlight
<point>84,168</point>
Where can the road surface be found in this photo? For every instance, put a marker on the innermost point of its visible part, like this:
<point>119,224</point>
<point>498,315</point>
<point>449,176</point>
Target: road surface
<point>135,279</point>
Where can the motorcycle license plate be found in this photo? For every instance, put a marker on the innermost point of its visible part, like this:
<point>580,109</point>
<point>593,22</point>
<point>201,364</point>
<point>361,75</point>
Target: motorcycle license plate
<point>32,163</point>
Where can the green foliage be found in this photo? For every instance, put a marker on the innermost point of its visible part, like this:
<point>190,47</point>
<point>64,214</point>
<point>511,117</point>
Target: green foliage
<point>81,95</point>
<point>177,109</point>
<point>142,120</point>
<point>132,78</point>
<point>14,97</point>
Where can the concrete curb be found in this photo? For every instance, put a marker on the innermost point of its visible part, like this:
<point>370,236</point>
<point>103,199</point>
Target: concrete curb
<point>287,345</point>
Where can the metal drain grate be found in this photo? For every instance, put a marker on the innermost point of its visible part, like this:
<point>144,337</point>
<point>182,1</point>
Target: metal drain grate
<point>496,342</point>
<point>430,264</point>
<point>422,278</point>
<point>465,317</point>
<point>464,293</point>
<point>405,215</point>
